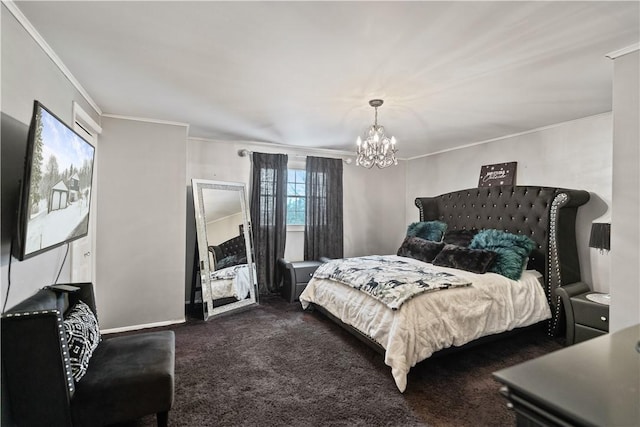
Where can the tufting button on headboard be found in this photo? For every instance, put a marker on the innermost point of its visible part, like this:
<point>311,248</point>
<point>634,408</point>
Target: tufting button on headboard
<point>524,210</point>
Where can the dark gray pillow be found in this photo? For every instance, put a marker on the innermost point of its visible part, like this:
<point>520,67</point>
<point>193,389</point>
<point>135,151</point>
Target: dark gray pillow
<point>420,249</point>
<point>473,260</point>
<point>459,237</point>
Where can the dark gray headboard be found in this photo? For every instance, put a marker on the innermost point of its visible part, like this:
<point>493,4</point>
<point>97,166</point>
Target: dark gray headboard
<point>547,215</point>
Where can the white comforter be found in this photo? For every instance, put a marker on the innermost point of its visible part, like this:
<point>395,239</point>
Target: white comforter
<point>231,282</point>
<point>437,319</point>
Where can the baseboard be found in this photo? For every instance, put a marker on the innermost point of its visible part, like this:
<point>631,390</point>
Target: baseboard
<point>143,326</point>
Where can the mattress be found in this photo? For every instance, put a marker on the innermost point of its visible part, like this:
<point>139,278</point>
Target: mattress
<point>437,319</point>
<point>231,282</point>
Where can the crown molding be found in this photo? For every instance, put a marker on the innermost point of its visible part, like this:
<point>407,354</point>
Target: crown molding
<point>513,135</point>
<point>273,145</point>
<point>17,13</point>
<point>146,120</point>
<point>620,52</point>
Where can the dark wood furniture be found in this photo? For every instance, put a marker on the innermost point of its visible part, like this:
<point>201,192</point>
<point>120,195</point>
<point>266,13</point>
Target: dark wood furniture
<point>295,276</point>
<point>585,319</point>
<point>594,383</point>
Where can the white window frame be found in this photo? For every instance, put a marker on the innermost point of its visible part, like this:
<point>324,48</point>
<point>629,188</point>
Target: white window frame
<point>296,227</point>
<point>84,124</point>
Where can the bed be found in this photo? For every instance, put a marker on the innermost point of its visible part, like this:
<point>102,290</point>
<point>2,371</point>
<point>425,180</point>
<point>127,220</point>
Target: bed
<point>231,282</point>
<point>473,307</point>
<point>228,253</point>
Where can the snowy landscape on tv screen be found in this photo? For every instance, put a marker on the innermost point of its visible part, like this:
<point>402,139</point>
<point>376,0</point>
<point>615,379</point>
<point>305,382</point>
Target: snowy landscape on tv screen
<point>60,186</point>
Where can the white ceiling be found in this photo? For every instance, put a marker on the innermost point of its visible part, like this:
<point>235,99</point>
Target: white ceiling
<point>302,73</point>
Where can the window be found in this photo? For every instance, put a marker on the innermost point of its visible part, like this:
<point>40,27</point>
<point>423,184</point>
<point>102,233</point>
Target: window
<point>296,182</point>
<point>267,179</point>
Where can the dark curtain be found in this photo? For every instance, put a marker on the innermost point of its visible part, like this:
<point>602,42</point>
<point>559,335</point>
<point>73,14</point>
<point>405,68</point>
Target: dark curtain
<point>323,224</point>
<point>268,216</point>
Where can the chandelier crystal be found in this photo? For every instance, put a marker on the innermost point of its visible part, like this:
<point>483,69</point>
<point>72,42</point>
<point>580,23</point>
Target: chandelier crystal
<point>377,149</point>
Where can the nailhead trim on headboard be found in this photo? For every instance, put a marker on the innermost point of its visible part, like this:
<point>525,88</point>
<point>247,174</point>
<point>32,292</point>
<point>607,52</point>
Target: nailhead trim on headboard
<point>527,210</point>
<point>554,262</point>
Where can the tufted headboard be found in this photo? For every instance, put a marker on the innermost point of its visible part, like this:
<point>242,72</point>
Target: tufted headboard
<point>547,215</point>
<point>228,253</point>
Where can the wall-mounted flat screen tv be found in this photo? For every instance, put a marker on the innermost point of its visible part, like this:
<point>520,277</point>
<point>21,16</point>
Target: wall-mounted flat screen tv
<point>56,187</point>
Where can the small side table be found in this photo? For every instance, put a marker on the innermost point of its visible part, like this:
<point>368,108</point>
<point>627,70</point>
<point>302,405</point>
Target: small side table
<point>586,319</point>
<point>295,276</point>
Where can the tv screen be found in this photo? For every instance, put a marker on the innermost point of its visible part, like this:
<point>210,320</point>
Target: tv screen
<point>56,188</point>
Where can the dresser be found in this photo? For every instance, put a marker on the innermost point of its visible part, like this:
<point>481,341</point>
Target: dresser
<point>593,383</point>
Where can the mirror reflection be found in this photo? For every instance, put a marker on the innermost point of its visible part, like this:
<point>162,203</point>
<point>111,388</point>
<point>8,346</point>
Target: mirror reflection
<point>227,271</point>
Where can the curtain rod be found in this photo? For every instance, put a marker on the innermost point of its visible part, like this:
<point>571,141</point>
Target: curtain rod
<point>245,153</point>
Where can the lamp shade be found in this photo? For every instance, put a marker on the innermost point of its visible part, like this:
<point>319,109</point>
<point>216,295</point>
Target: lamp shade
<point>600,236</point>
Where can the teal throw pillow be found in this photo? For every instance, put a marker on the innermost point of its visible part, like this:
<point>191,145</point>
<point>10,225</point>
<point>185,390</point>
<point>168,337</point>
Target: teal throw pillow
<point>512,251</point>
<point>428,230</point>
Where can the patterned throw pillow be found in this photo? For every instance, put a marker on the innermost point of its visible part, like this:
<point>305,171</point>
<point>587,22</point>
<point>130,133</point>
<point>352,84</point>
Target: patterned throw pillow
<point>420,249</point>
<point>428,230</point>
<point>473,260</point>
<point>83,335</point>
<point>513,251</point>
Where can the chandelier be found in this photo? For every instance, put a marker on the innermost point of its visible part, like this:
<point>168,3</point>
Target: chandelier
<point>377,149</point>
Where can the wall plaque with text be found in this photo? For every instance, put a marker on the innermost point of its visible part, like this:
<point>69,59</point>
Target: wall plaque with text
<point>498,174</point>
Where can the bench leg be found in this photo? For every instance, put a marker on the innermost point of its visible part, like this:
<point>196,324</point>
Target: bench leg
<point>163,418</point>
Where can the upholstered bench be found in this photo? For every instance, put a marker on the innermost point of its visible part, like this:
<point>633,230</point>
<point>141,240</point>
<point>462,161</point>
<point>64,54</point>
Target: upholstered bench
<point>127,377</point>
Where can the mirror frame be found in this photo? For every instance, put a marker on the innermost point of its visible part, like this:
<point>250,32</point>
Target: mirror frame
<point>208,309</point>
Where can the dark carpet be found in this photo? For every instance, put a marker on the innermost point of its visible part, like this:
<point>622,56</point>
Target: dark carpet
<point>277,365</point>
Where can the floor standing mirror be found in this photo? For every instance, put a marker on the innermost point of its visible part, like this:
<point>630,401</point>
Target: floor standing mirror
<point>223,228</point>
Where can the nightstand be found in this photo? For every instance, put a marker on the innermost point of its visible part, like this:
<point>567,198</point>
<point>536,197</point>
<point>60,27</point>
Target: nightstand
<point>295,276</point>
<point>591,318</point>
<point>586,319</point>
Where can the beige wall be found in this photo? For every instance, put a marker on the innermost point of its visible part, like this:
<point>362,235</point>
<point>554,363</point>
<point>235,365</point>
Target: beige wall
<point>224,229</point>
<point>29,74</point>
<point>140,197</point>
<point>374,211</point>
<point>625,220</point>
<point>140,268</point>
<point>574,154</point>
<point>373,199</point>
<point>378,203</point>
